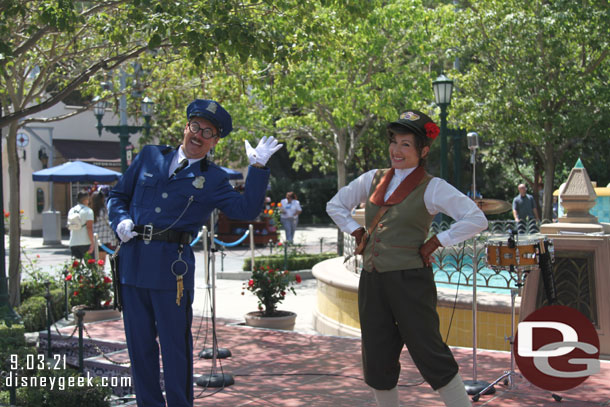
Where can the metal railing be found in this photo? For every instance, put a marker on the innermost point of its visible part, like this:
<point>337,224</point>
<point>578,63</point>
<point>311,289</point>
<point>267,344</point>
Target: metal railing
<point>453,265</point>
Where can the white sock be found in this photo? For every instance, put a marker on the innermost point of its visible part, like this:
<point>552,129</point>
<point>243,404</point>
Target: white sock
<point>386,398</point>
<point>454,393</point>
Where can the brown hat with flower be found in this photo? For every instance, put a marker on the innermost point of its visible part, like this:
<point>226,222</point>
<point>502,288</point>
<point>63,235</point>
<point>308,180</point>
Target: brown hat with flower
<point>416,122</point>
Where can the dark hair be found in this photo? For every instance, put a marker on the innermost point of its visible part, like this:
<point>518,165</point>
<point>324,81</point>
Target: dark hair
<point>98,201</point>
<point>420,141</point>
<point>81,194</point>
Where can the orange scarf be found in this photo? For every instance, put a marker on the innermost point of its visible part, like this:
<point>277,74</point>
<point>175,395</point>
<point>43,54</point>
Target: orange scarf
<point>405,188</point>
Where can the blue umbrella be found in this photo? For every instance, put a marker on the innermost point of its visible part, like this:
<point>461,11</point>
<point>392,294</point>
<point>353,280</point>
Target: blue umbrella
<point>76,171</point>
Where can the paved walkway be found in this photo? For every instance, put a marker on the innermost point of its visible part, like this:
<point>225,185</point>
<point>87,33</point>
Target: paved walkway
<point>232,302</point>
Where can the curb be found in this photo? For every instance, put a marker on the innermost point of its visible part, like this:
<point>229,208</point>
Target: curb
<point>245,275</point>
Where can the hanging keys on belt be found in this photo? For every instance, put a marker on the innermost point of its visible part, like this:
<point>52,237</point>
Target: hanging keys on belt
<point>179,289</point>
<point>179,277</point>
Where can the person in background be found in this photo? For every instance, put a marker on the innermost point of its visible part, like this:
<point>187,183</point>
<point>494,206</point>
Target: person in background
<point>80,224</point>
<point>289,214</point>
<point>397,292</point>
<point>157,208</point>
<point>525,211</point>
<point>101,225</point>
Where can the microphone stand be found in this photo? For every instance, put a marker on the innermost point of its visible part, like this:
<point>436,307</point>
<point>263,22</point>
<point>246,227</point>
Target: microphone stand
<point>214,379</point>
<point>475,386</point>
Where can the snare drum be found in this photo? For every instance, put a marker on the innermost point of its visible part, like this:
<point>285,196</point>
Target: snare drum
<point>522,256</point>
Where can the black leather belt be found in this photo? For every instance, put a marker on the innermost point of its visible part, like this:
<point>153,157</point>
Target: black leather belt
<point>147,232</point>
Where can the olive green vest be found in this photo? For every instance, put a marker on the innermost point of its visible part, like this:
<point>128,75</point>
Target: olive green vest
<point>395,241</point>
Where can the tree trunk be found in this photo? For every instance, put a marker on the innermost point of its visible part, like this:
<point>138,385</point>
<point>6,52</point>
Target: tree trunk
<point>14,269</point>
<point>341,180</point>
<point>549,180</point>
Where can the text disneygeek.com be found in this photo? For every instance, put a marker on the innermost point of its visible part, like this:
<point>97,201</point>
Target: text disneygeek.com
<point>61,383</point>
<point>37,362</point>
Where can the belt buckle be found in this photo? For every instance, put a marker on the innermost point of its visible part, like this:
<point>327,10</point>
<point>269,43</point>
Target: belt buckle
<point>147,233</point>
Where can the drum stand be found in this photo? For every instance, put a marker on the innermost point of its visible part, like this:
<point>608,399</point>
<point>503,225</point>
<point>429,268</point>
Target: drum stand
<point>507,376</point>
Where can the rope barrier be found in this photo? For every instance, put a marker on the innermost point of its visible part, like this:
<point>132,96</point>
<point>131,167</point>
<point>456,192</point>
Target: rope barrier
<point>194,242</point>
<point>235,243</point>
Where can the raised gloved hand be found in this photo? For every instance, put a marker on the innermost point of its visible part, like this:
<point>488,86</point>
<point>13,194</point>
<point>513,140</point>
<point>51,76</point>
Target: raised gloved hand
<point>125,230</point>
<point>266,147</point>
<point>426,250</point>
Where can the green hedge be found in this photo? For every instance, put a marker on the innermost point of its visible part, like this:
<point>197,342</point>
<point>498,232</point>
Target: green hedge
<point>295,262</point>
<point>33,311</point>
<point>11,338</point>
<point>32,288</point>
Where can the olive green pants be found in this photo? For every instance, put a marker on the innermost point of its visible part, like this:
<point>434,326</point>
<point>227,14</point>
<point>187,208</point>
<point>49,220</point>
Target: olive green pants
<point>398,308</point>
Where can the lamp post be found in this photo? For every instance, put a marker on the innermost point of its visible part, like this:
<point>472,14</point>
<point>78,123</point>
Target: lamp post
<point>123,129</point>
<point>443,88</point>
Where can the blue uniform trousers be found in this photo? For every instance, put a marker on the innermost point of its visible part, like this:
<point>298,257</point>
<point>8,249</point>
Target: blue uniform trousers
<point>146,314</point>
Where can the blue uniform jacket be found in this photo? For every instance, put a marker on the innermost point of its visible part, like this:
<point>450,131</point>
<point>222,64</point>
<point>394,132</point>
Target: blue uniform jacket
<point>146,195</point>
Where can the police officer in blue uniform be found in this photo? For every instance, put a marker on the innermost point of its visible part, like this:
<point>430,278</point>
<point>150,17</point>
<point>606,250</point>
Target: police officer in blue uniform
<point>157,207</point>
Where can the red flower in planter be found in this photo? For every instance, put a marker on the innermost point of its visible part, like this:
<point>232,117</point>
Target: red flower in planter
<point>88,284</point>
<point>270,286</point>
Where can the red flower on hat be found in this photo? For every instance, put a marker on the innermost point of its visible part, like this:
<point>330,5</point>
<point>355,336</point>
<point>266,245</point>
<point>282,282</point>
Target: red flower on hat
<point>432,130</point>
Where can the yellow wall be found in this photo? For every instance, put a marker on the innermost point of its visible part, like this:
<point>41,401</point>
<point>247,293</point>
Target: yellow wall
<point>341,305</point>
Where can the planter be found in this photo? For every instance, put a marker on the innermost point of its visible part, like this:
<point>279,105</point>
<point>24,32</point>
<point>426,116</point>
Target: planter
<point>93,315</point>
<point>283,320</point>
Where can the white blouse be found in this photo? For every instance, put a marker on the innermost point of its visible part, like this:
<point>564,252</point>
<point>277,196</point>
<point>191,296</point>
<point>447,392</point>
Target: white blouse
<point>440,196</point>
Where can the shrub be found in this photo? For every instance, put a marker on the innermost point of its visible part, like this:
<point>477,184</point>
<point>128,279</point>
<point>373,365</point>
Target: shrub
<point>270,287</point>
<point>33,311</point>
<point>11,337</point>
<point>295,262</point>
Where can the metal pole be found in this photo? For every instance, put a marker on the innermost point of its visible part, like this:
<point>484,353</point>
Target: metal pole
<point>457,158</point>
<point>48,298</point>
<point>475,266</point>
<point>124,131</point>
<point>67,311</point>
<point>251,229</point>
<point>443,141</point>
<point>80,313</point>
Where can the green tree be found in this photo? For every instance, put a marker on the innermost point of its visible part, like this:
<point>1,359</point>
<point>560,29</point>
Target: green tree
<point>351,75</point>
<point>536,74</point>
<point>50,49</point>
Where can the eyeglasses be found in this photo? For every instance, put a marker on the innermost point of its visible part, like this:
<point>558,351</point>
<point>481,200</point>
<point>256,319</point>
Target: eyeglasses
<point>206,133</point>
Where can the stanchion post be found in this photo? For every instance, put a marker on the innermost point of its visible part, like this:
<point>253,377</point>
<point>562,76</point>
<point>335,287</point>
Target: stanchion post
<point>285,257</point>
<point>67,310</point>
<point>96,247</point>
<point>251,229</point>
<point>80,313</point>
<point>321,244</point>
<point>48,298</point>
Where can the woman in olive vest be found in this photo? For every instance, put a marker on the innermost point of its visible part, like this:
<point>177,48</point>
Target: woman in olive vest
<point>397,293</point>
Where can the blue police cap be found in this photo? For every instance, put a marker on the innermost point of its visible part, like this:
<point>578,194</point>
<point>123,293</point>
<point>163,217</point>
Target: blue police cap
<point>212,111</point>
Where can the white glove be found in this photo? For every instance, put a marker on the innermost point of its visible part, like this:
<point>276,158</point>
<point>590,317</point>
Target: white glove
<point>125,230</point>
<point>263,151</point>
